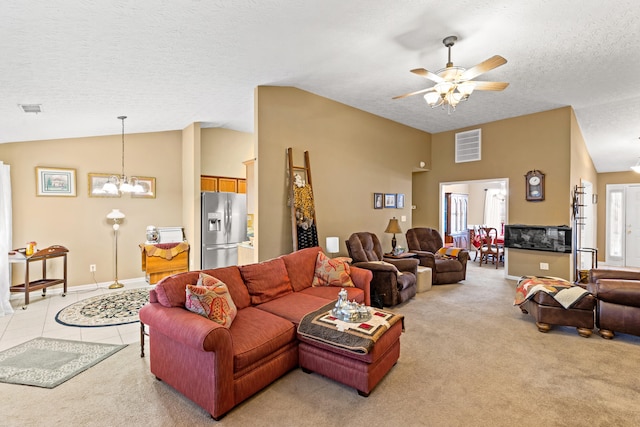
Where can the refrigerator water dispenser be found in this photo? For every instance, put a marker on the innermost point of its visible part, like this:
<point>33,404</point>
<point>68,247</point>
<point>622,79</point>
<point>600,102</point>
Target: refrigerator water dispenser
<point>214,221</point>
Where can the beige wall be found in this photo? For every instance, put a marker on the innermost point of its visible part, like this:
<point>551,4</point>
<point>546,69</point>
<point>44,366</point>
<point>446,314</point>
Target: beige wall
<point>510,148</point>
<point>224,150</point>
<point>191,191</point>
<point>80,223</point>
<point>582,169</point>
<point>352,154</point>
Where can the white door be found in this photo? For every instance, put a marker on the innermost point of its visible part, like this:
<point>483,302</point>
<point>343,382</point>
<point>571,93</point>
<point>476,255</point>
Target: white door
<point>632,232</point>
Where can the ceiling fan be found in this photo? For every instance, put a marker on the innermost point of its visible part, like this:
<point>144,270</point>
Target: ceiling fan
<point>455,84</point>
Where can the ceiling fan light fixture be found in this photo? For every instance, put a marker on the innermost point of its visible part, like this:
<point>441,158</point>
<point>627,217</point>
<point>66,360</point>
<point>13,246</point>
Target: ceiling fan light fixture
<point>432,98</point>
<point>466,88</point>
<point>454,98</point>
<point>443,87</point>
<point>454,84</point>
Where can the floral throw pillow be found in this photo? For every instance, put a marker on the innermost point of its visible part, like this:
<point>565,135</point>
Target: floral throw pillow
<point>332,272</point>
<point>210,298</point>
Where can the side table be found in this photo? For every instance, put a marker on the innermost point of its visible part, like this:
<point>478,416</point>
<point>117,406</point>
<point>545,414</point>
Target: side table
<point>401,256</point>
<point>55,251</point>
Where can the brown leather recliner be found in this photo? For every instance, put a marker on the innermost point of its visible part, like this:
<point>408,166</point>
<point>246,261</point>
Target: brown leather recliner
<point>425,242</point>
<point>617,293</point>
<point>388,288</point>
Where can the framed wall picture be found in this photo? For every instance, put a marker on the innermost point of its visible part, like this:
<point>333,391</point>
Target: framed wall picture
<point>400,201</point>
<point>389,200</point>
<point>377,201</point>
<point>55,182</point>
<point>534,186</point>
<point>149,185</point>
<point>97,182</point>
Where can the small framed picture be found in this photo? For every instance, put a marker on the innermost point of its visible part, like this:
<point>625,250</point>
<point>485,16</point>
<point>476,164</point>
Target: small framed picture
<point>389,200</point>
<point>149,185</point>
<point>400,201</point>
<point>377,200</point>
<point>55,182</point>
<point>96,185</point>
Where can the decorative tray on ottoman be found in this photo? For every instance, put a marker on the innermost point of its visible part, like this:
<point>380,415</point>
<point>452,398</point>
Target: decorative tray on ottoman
<point>350,311</point>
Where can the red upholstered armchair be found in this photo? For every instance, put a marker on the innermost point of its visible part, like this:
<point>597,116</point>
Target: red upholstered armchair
<point>388,288</point>
<point>425,242</point>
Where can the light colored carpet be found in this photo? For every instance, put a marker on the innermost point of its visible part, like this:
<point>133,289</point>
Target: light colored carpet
<point>47,362</point>
<point>468,358</point>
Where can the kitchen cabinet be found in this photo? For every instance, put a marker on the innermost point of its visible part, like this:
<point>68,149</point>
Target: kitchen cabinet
<point>223,184</point>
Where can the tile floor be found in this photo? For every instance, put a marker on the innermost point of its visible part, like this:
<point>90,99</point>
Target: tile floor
<point>38,320</point>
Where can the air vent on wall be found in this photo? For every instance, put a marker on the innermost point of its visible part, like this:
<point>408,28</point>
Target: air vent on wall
<point>31,108</point>
<point>468,146</point>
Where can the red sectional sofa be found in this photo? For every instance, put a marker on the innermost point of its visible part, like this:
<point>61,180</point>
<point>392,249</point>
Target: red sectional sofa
<point>218,367</point>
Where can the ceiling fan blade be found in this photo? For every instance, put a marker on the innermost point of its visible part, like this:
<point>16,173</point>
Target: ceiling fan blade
<point>413,93</point>
<point>483,67</point>
<point>479,85</point>
<point>427,75</point>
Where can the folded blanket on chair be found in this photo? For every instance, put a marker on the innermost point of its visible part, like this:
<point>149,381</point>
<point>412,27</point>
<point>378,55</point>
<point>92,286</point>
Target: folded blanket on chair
<point>448,252</point>
<point>563,291</point>
<point>398,272</point>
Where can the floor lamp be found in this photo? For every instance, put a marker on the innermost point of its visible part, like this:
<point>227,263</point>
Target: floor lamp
<point>116,216</point>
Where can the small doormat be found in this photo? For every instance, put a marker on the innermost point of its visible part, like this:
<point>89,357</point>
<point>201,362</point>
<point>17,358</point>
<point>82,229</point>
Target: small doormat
<point>110,309</point>
<point>48,362</point>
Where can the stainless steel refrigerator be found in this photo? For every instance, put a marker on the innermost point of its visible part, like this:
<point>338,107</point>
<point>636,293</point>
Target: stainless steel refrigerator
<point>224,225</point>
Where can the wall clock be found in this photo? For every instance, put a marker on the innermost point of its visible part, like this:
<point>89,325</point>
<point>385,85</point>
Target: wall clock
<point>534,186</point>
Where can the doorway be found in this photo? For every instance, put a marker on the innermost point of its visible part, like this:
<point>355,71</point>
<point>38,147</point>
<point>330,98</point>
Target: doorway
<point>623,225</point>
<point>486,204</point>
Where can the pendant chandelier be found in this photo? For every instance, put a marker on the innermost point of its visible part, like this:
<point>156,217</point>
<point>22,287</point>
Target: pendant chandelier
<point>121,184</point>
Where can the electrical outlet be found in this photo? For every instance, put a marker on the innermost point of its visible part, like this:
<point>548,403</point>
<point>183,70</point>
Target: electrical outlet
<point>92,268</point>
<point>544,266</point>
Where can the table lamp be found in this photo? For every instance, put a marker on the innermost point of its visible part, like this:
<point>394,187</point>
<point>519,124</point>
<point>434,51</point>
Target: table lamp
<point>333,245</point>
<point>116,216</point>
<point>393,228</point>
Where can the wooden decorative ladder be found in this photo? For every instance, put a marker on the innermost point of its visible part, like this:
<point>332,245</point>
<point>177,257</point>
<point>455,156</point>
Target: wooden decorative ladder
<point>304,230</point>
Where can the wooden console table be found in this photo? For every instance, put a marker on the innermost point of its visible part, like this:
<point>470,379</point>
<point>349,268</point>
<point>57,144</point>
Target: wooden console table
<point>164,259</point>
<point>55,251</point>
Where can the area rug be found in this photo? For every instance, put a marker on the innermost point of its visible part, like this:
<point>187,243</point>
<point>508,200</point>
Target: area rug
<point>48,362</point>
<point>110,309</point>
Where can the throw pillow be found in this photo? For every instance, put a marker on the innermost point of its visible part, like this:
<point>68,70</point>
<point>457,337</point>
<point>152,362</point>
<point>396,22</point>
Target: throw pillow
<point>210,298</point>
<point>332,272</point>
<point>266,281</point>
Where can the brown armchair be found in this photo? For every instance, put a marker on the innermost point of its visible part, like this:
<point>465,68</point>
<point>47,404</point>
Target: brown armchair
<point>617,293</point>
<point>425,242</point>
<point>388,288</point>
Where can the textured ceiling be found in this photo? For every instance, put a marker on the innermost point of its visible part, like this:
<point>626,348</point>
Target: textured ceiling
<point>168,64</point>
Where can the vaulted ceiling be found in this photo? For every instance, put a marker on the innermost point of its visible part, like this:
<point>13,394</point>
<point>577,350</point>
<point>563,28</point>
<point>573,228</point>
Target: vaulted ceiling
<point>168,64</point>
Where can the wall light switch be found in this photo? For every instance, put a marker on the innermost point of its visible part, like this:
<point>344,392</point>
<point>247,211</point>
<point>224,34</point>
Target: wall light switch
<point>544,266</point>
<point>403,218</point>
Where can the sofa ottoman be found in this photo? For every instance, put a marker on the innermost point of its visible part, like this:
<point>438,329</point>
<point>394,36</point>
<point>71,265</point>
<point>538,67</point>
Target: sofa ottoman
<point>357,369</point>
<point>547,311</point>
